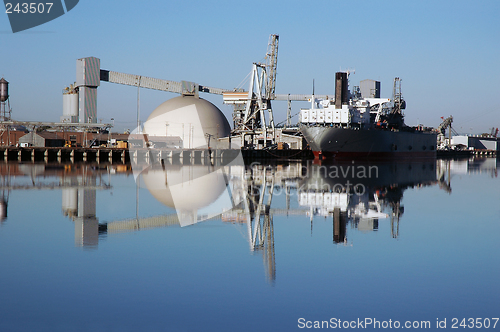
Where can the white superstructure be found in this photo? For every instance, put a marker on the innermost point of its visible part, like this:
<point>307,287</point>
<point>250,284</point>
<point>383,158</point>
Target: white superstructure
<point>357,112</point>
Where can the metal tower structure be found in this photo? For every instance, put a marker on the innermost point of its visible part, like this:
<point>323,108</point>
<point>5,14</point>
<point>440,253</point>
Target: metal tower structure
<point>5,111</point>
<point>87,82</point>
<point>261,91</point>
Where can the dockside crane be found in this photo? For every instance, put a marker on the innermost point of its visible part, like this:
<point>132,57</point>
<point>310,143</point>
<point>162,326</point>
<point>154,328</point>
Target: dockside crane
<point>251,106</point>
<point>261,91</point>
<point>442,131</point>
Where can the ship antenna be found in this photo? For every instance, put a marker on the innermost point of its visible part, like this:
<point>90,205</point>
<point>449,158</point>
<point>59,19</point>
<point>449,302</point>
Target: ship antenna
<point>313,99</point>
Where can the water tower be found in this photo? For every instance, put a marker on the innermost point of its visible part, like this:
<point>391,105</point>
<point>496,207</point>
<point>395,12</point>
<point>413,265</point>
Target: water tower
<point>5,110</point>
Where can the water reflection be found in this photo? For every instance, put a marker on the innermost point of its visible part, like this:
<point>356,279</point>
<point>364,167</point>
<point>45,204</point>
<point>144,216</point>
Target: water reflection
<point>355,195</point>
<point>361,194</point>
<point>351,196</point>
<point>78,184</point>
<point>348,194</point>
<point>196,192</point>
<point>79,202</point>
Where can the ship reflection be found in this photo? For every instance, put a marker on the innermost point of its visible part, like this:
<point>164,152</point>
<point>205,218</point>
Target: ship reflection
<point>360,194</point>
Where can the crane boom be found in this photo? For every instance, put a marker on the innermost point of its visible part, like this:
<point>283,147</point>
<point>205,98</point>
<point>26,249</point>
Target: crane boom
<point>271,65</point>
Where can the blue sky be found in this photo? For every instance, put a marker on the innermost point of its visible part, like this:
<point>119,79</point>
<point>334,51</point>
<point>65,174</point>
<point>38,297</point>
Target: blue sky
<point>446,53</point>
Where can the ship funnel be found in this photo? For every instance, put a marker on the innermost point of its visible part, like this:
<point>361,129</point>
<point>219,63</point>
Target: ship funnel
<point>341,89</point>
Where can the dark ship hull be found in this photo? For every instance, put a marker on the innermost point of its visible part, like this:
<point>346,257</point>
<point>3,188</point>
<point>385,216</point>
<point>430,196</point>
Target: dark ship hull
<point>332,142</point>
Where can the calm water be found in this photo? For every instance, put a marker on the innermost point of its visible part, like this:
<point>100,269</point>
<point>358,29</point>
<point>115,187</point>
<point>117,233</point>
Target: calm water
<point>89,249</point>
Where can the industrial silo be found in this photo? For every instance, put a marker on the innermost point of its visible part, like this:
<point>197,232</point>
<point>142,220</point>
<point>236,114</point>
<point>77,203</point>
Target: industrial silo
<point>70,105</point>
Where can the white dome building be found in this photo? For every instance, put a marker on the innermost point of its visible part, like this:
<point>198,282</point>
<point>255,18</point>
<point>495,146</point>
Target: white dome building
<point>197,122</point>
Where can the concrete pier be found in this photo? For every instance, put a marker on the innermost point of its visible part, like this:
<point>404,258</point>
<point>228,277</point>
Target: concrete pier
<point>467,153</point>
<point>182,157</point>
<point>63,155</point>
<point>148,156</point>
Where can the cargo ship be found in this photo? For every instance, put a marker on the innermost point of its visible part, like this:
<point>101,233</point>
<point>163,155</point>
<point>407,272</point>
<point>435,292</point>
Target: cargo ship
<point>360,124</point>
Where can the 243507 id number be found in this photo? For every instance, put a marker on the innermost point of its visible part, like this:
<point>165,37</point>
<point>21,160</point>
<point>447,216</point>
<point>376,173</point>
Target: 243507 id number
<point>472,323</point>
<point>31,8</point>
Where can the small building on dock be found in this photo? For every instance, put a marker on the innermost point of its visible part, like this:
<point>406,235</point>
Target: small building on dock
<point>476,142</point>
<point>69,138</point>
<point>42,139</point>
